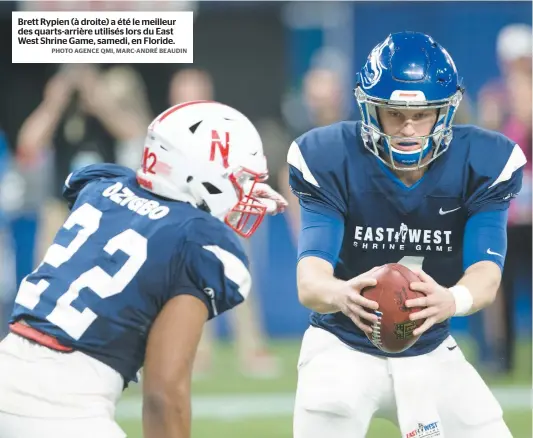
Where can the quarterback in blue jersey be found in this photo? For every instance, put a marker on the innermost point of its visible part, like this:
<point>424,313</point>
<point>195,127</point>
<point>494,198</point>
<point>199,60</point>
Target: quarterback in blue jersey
<point>405,186</point>
<point>143,260</point>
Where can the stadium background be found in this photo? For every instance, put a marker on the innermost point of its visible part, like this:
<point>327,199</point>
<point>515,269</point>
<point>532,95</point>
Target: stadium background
<point>259,55</point>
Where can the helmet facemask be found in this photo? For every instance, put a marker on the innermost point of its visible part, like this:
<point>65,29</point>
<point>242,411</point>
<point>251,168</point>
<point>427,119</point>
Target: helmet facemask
<point>248,213</point>
<point>379,143</point>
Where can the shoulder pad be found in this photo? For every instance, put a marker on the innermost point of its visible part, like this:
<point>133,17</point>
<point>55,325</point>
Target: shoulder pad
<point>214,267</point>
<point>495,165</point>
<point>317,162</point>
<point>78,179</point>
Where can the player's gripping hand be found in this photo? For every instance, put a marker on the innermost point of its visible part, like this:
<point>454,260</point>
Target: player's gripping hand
<point>439,303</point>
<point>349,301</point>
<point>274,202</point>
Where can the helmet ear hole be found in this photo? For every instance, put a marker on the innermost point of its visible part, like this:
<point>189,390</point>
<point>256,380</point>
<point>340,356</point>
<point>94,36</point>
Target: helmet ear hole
<point>211,188</point>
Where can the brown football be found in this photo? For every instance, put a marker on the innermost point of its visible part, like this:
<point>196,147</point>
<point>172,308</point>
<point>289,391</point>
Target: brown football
<point>393,333</point>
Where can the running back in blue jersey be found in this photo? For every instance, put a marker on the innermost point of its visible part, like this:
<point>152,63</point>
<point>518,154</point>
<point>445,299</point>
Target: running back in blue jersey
<point>379,220</point>
<point>120,256</point>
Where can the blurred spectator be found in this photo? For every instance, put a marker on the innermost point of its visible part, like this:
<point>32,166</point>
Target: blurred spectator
<point>191,84</point>
<point>81,118</point>
<point>254,358</point>
<point>322,102</point>
<point>504,105</point>
<point>128,91</point>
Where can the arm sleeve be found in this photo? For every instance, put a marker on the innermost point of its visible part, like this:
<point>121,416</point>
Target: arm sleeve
<point>78,179</point>
<point>217,276</point>
<point>322,232</point>
<point>485,238</point>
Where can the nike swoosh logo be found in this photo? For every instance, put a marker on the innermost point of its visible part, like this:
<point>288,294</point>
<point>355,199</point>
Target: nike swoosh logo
<point>442,212</point>
<point>452,348</point>
<point>489,252</point>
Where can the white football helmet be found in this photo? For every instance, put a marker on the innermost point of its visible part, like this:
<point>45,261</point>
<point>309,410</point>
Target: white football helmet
<point>209,155</point>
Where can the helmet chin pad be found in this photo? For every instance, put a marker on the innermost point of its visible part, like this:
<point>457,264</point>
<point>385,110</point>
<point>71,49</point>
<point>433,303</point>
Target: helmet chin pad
<point>407,158</point>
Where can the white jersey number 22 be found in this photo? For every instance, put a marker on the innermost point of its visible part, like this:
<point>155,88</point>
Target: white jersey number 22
<point>64,316</point>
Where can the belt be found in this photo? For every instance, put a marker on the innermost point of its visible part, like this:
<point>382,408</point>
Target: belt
<point>22,328</point>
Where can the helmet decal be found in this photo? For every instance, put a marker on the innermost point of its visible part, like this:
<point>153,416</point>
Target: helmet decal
<point>376,67</point>
<point>216,143</point>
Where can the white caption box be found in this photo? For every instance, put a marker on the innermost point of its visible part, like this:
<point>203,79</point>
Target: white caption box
<point>102,37</point>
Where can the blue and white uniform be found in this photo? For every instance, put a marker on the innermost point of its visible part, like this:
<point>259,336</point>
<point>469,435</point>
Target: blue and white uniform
<point>120,256</point>
<point>357,214</point>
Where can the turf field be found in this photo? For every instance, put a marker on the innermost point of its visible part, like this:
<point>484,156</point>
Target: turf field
<point>227,405</point>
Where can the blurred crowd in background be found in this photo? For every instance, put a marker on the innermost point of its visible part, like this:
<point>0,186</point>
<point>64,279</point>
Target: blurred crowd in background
<point>289,67</point>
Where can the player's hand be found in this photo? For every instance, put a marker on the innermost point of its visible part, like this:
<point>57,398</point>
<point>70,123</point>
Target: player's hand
<point>57,92</point>
<point>350,302</point>
<point>439,303</point>
<point>274,202</point>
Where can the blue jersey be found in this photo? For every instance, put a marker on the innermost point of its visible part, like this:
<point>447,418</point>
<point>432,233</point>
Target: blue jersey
<point>384,221</point>
<point>120,256</point>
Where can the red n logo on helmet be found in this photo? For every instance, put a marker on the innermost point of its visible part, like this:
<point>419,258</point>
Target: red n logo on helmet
<point>223,148</point>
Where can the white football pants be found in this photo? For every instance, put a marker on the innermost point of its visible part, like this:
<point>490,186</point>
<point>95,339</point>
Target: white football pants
<point>438,394</point>
<point>49,394</point>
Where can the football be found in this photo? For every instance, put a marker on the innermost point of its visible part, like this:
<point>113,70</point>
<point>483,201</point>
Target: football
<point>393,333</point>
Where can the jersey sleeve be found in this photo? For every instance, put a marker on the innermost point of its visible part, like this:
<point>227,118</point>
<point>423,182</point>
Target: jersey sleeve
<point>495,173</point>
<point>316,170</point>
<point>214,268</point>
<point>78,179</point>
<point>320,236</point>
<point>316,176</point>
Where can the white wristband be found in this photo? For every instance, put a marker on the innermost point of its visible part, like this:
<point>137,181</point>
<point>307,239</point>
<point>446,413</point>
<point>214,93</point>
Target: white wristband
<point>463,299</point>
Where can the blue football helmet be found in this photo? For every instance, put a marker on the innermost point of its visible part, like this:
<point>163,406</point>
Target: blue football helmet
<point>409,70</point>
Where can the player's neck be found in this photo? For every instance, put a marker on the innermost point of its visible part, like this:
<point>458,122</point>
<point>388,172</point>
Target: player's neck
<point>410,178</point>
